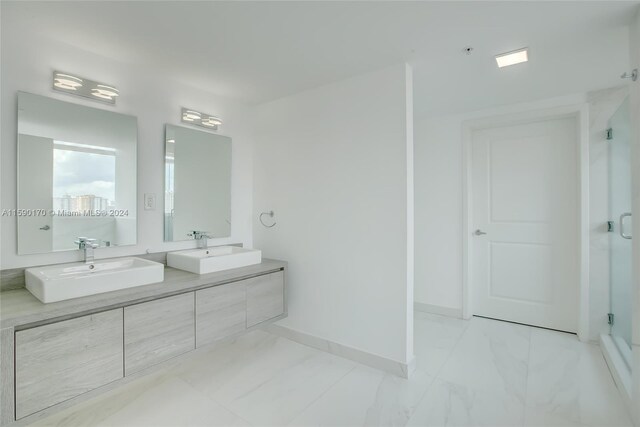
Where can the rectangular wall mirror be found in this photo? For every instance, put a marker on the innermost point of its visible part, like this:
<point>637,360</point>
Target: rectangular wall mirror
<point>76,175</point>
<point>197,184</point>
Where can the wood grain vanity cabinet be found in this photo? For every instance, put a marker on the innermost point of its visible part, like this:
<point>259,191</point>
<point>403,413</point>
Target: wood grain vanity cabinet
<point>158,330</point>
<point>220,312</point>
<point>62,360</point>
<point>265,297</point>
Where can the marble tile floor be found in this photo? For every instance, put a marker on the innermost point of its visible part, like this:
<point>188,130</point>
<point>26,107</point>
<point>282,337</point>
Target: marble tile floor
<point>477,372</point>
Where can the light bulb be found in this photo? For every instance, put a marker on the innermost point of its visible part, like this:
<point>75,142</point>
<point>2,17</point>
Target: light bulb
<point>65,81</point>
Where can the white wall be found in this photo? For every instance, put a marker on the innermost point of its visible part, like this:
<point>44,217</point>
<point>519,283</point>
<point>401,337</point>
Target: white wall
<point>438,211</point>
<point>334,163</point>
<point>155,99</point>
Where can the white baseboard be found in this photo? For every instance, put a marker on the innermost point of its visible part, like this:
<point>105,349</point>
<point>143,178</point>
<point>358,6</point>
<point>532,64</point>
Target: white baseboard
<point>403,370</point>
<point>438,309</point>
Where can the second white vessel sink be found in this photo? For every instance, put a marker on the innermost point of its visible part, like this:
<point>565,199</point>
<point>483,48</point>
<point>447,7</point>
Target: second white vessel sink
<point>210,260</point>
<point>65,281</point>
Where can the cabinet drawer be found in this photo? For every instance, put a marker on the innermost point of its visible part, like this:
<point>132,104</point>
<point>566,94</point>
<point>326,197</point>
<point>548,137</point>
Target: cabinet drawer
<point>220,312</point>
<point>62,360</point>
<point>265,297</point>
<point>158,330</point>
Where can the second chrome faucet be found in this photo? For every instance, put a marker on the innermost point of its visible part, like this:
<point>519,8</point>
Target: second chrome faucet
<point>201,237</point>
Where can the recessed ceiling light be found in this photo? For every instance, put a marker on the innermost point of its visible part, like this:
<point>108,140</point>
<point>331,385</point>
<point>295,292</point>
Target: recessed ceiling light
<point>512,58</point>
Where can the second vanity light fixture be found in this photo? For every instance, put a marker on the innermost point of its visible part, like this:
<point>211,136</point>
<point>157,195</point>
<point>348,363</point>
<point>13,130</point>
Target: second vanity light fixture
<point>69,83</point>
<point>198,118</point>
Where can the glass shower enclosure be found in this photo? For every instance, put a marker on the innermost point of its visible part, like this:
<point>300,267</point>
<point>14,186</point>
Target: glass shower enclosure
<point>619,138</point>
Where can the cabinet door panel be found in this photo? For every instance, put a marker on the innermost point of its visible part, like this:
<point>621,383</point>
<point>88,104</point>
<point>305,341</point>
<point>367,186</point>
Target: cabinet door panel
<point>220,312</point>
<point>62,360</point>
<point>158,330</point>
<point>265,297</point>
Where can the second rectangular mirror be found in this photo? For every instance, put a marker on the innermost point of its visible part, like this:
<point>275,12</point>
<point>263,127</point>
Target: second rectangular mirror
<point>197,184</point>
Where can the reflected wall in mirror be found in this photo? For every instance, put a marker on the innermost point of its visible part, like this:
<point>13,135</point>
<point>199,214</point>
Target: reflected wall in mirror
<point>76,175</point>
<point>197,184</point>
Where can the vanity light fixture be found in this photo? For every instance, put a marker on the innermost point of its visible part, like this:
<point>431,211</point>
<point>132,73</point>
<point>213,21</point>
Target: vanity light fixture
<point>66,81</point>
<point>200,119</point>
<point>190,115</point>
<point>105,92</point>
<point>512,58</point>
<point>211,121</point>
<point>69,83</point>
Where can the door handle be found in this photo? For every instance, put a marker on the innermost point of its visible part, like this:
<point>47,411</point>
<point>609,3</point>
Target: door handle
<point>479,232</point>
<point>46,227</point>
<point>622,233</point>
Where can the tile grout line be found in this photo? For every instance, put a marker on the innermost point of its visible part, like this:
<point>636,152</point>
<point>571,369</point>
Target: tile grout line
<point>436,375</point>
<point>527,363</point>
<point>323,393</point>
<point>384,374</point>
<point>216,401</point>
<point>280,371</point>
<point>526,381</point>
<point>210,398</point>
<point>421,398</point>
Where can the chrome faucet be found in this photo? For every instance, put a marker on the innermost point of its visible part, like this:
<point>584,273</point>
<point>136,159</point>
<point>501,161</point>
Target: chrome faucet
<point>87,245</point>
<point>201,237</point>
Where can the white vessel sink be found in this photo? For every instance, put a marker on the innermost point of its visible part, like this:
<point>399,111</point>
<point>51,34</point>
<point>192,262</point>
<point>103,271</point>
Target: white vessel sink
<point>66,281</point>
<point>210,260</point>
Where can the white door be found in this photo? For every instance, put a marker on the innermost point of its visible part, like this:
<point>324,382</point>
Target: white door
<point>35,192</point>
<point>525,198</point>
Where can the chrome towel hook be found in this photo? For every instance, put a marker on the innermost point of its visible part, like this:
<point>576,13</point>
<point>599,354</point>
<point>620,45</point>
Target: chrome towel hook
<point>271,214</point>
<point>633,75</point>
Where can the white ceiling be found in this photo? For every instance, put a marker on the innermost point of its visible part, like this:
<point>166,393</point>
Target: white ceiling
<point>260,51</point>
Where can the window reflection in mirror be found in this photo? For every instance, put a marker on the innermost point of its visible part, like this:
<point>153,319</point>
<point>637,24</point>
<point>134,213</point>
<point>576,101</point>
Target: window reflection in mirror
<point>197,183</point>
<point>84,177</point>
<point>76,175</point>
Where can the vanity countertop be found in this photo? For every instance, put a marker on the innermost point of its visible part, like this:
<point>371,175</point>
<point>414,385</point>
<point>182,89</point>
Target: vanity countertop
<point>20,309</point>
